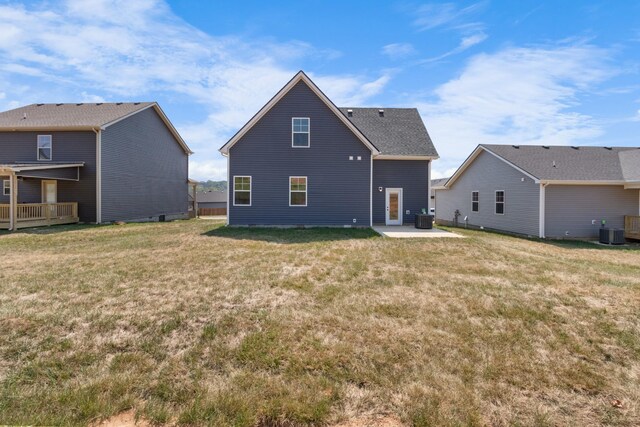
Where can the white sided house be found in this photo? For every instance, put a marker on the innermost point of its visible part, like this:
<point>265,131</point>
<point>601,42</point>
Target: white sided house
<point>544,191</point>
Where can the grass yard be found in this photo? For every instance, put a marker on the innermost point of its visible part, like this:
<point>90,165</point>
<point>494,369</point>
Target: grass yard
<point>191,323</point>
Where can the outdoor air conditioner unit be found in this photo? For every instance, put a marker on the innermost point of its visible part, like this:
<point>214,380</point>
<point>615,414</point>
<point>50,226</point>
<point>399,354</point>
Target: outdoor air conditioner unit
<point>612,236</point>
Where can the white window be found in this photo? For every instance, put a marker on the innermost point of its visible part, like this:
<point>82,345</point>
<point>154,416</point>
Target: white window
<point>44,147</point>
<point>297,191</point>
<point>300,132</point>
<point>500,202</point>
<point>475,201</point>
<point>241,191</point>
<point>6,187</point>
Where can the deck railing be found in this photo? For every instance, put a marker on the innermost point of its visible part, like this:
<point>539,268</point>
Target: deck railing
<point>632,227</point>
<point>37,214</point>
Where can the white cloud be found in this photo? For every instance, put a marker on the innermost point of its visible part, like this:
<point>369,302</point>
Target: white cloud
<point>398,50</point>
<point>515,96</point>
<point>449,16</point>
<point>465,44</point>
<point>84,50</point>
<point>434,15</point>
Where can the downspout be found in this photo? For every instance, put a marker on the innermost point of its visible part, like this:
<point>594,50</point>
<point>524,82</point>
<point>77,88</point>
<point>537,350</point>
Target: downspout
<point>429,187</point>
<point>371,192</point>
<point>229,186</point>
<point>98,133</point>
<point>541,220</point>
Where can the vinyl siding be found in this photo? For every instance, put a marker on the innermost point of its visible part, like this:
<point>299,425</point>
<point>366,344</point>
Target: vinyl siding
<point>572,208</point>
<point>69,147</point>
<point>212,204</point>
<point>338,188</point>
<point>144,170</point>
<point>410,175</point>
<point>487,174</point>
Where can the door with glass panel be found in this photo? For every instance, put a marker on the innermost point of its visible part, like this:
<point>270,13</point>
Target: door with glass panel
<point>393,206</point>
<point>50,196</point>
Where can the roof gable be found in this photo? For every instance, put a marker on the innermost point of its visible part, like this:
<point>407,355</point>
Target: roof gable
<point>563,164</point>
<point>79,116</point>
<point>299,77</point>
<point>394,131</point>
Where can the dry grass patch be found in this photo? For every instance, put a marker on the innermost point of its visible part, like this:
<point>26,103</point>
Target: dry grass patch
<point>192,323</point>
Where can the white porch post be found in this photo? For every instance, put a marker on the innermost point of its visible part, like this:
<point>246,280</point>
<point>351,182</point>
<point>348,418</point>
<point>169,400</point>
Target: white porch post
<point>541,219</point>
<point>13,201</point>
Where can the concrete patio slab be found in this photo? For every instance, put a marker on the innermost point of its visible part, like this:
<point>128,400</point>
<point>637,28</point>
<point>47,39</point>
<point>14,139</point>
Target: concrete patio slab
<point>405,231</point>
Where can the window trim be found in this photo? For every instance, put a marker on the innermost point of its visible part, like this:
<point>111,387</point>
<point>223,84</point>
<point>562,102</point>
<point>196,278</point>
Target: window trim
<point>50,148</point>
<point>504,202</point>
<point>250,189</point>
<point>293,133</point>
<point>6,187</point>
<point>306,192</point>
<point>472,201</point>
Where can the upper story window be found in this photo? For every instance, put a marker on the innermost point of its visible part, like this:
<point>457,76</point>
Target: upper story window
<point>475,201</point>
<point>6,187</point>
<point>300,132</point>
<point>241,191</point>
<point>44,147</point>
<point>500,202</point>
<point>297,191</point>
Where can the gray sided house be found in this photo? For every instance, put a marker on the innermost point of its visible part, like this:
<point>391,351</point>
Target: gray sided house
<point>543,191</point>
<point>93,163</point>
<point>212,199</point>
<point>302,161</point>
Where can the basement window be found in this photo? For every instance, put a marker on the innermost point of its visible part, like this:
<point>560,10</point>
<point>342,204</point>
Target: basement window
<point>44,147</point>
<point>475,201</point>
<point>6,187</point>
<point>300,132</point>
<point>500,202</point>
<point>241,191</point>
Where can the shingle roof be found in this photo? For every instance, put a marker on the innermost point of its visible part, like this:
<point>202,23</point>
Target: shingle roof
<point>565,163</point>
<point>399,132</point>
<point>438,182</point>
<point>80,115</point>
<point>211,196</point>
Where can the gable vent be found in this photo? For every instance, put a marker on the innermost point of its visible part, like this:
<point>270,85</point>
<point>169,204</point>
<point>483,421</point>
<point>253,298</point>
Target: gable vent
<point>381,113</point>
<point>350,113</point>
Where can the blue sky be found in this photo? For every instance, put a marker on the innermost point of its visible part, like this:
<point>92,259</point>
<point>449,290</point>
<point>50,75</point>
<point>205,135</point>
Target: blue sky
<point>515,72</point>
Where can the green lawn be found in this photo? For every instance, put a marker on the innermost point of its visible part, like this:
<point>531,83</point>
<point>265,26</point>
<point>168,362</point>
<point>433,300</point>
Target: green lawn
<point>191,323</point>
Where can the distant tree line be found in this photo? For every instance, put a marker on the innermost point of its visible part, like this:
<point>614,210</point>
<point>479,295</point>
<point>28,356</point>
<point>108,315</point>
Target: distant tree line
<point>212,186</point>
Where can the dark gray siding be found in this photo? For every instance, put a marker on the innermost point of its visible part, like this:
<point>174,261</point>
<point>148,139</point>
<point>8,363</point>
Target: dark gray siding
<point>338,188</point>
<point>410,175</point>
<point>486,175</point>
<point>144,170</point>
<point>212,204</point>
<point>572,208</point>
<point>67,147</point>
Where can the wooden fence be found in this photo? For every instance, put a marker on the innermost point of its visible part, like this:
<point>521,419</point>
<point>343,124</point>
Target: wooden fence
<point>212,211</point>
<point>632,227</point>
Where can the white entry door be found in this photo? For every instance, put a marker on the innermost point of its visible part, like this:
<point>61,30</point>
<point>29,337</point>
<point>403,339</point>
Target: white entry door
<point>394,206</point>
<point>49,191</point>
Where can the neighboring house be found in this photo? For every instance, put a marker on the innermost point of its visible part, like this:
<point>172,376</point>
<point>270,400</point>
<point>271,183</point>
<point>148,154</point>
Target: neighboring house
<point>436,184</point>
<point>212,202</point>
<point>543,191</point>
<point>94,163</point>
<point>302,161</point>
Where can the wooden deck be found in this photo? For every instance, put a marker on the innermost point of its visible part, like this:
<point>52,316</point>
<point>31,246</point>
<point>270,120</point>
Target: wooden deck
<point>40,214</point>
<point>632,227</point>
